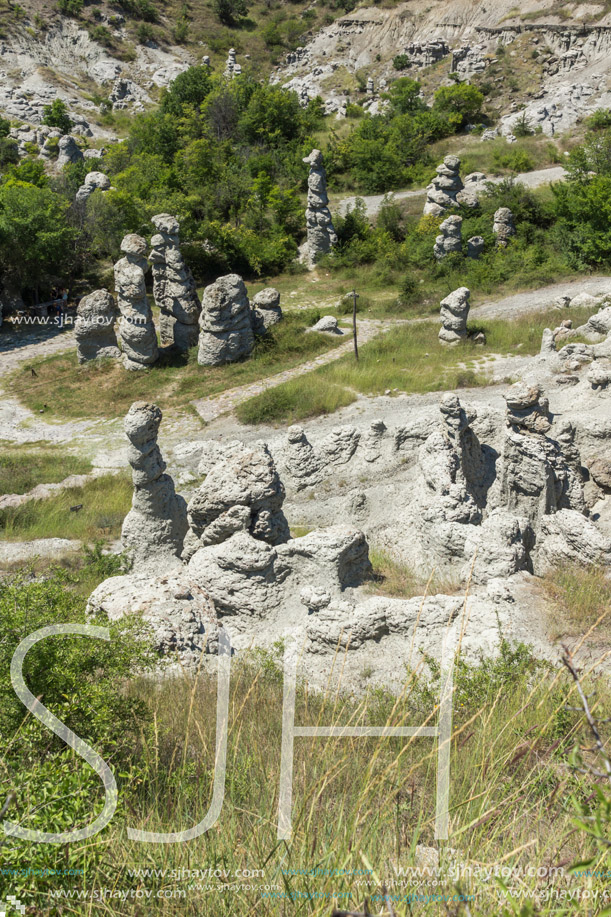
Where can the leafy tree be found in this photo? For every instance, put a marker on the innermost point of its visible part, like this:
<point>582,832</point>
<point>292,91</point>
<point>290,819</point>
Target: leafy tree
<point>404,96</point>
<point>230,11</point>
<point>70,7</point>
<point>189,88</point>
<point>5,127</point>
<point>462,102</point>
<point>593,156</point>
<point>36,240</point>
<point>56,115</point>
<point>400,62</point>
<point>9,151</point>
<point>31,171</point>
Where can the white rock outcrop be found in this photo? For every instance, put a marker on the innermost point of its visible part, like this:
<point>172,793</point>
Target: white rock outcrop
<point>504,226</point>
<point>94,181</point>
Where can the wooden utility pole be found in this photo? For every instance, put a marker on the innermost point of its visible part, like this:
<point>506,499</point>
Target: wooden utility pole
<point>356,345</point>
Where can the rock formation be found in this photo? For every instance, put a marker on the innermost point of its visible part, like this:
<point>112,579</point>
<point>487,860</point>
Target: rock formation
<point>475,247</point>
<point>321,235</point>
<point>173,286</point>
<point>449,238</point>
<point>155,527</point>
<point>441,193</point>
<point>69,151</point>
<point>241,493</point>
<point>504,226</point>
<point>94,181</point>
<point>326,325</point>
<point>226,333</point>
<point>136,328</point>
<point>454,313</point>
<point>94,328</point>
<point>266,311</point>
<point>231,67</point>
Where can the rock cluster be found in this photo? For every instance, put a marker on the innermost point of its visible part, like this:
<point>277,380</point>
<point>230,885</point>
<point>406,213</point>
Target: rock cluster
<point>94,181</point>
<point>321,235</point>
<point>454,313</point>
<point>450,237</point>
<point>154,529</point>
<point>94,327</point>
<point>423,54</point>
<point>226,332</point>
<point>504,226</point>
<point>266,311</point>
<point>232,68</point>
<point>441,193</point>
<point>136,328</point>
<point>173,286</point>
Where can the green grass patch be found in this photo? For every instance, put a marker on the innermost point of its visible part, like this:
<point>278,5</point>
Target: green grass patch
<point>105,502</point>
<point>409,358</point>
<point>24,467</point>
<point>106,389</point>
<point>306,396</point>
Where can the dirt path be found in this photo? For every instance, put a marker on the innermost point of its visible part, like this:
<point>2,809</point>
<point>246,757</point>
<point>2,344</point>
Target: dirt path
<point>211,408</point>
<point>373,202</point>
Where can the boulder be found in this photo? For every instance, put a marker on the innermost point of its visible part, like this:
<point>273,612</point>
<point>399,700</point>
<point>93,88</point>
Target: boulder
<point>454,313</point>
<point>326,325</point>
<point>136,328</point>
<point>266,311</point>
<point>449,238</point>
<point>94,328</point>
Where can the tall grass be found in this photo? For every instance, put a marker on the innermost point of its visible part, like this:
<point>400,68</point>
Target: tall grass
<point>360,806</point>
<point>22,468</point>
<point>581,596</point>
<point>105,502</point>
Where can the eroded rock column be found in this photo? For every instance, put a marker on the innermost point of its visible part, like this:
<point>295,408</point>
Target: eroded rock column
<point>173,287</point>
<point>136,328</point>
<point>321,232</point>
<point>226,333</point>
<point>94,328</point>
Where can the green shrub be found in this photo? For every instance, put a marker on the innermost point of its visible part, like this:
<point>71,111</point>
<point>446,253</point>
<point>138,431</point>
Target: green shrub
<point>70,7</point>
<point>400,62</point>
<point>56,115</point>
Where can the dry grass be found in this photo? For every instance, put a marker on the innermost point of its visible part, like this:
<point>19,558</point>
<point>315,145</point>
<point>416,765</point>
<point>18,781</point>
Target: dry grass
<point>580,595</point>
<point>397,579</point>
<point>23,467</point>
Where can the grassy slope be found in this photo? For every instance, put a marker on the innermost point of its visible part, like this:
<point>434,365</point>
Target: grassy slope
<point>105,502</point>
<point>23,467</point>
<point>408,359</point>
<point>105,389</point>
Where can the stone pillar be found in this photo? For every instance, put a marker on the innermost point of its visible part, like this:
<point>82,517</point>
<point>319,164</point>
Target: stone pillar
<point>155,527</point>
<point>226,333</point>
<point>454,314</point>
<point>441,193</point>
<point>321,233</point>
<point>136,328</point>
<point>504,226</point>
<point>173,287</point>
<point>449,238</point>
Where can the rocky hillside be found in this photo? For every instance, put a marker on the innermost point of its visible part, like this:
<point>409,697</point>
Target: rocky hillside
<point>547,64</point>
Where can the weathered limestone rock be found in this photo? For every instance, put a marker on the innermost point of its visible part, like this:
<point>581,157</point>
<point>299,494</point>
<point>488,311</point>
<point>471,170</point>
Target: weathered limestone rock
<point>567,537</point>
<point>173,286</point>
<point>327,325</point>
<point>230,64</point>
<point>69,151</point>
<point>225,324</point>
<point>370,88</point>
<point>600,470</point>
<point>136,328</point>
<point>527,408</point>
<point>449,238</point>
<point>94,327</point>
<point>599,375</point>
<point>266,311</point>
<point>441,193</point>
<point>321,235</point>
<point>241,493</point>
<point>154,529</point>
<point>176,615</point>
<point>299,459</point>
<point>475,247</point>
<point>504,227</point>
<point>94,181</point>
<point>454,313</point>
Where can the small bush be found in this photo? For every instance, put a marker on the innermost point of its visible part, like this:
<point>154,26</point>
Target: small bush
<point>70,7</point>
<point>400,62</point>
<point>56,115</point>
